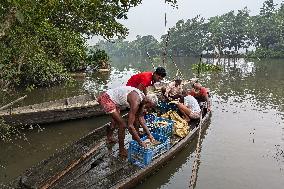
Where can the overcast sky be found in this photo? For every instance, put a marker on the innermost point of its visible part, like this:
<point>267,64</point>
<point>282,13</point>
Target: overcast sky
<point>148,18</point>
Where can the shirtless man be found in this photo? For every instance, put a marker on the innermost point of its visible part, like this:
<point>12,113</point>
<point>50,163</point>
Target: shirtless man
<point>174,90</point>
<point>126,96</point>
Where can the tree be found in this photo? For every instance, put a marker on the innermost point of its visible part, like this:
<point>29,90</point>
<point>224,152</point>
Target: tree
<point>266,26</point>
<point>54,32</point>
<point>187,37</point>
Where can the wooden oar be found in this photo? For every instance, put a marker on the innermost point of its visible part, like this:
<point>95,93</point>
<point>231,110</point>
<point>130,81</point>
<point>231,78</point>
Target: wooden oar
<point>11,103</point>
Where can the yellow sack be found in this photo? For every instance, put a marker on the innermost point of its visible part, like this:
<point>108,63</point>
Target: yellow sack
<point>181,127</point>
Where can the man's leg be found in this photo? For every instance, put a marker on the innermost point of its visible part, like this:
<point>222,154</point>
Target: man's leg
<point>185,111</point>
<point>110,130</point>
<point>121,132</point>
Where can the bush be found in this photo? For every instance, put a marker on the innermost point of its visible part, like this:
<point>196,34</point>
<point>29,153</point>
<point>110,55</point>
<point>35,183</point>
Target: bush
<point>97,57</point>
<point>41,71</point>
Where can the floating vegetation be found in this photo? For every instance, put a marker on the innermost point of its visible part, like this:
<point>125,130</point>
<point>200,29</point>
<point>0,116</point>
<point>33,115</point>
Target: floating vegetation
<point>203,67</point>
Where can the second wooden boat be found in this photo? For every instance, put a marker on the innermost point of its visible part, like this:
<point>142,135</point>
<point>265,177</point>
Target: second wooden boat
<point>59,110</point>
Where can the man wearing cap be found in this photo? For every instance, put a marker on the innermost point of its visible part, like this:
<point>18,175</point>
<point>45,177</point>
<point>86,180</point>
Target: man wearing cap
<point>145,79</point>
<point>126,96</point>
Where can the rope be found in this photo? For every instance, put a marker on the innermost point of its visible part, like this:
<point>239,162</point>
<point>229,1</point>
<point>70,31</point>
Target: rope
<point>199,66</point>
<point>193,177</point>
<point>150,60</point>
<point>178,71</point>
<point>165,49</point>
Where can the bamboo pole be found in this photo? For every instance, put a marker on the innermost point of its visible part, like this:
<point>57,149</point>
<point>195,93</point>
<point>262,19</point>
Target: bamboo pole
<point>196,161</point>
<point>11,103</point>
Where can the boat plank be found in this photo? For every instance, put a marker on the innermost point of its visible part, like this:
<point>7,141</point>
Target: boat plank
<point>77,107</point>
<point>39,174</point>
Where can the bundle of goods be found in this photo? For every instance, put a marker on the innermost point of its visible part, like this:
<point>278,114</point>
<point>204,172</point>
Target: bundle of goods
<point>180,126</point>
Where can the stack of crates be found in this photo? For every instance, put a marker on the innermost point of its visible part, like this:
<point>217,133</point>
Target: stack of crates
<point>150,119</point>
<point>165,107</point>
<point>165,130</point>
<point>143,156</point>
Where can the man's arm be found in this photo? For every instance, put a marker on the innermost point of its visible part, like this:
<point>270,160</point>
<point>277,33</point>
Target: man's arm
<point>168,89</point>
<point>141,87</point>
<point>134,101</point>
<point>142,122</point>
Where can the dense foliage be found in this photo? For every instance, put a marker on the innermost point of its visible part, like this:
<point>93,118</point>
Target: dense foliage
<point>98,58</point>
<point>229,34</point>
<point>41,41</point>
<point>139,47</point>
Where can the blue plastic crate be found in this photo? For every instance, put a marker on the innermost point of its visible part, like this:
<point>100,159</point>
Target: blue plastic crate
<point>163,130</point>
<point>143,156</point>
<point>150,118</point>
<point>164,107</point>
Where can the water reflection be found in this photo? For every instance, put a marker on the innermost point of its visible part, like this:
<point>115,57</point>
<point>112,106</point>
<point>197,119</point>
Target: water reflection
<point>246,139</point>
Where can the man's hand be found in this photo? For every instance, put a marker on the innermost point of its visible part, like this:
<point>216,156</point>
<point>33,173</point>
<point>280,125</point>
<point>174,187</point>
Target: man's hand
<point>143,144</point>
<point>174,102</point>
<point>151,138</point>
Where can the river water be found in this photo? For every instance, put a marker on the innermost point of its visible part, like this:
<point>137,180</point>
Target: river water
<point>243,147</point>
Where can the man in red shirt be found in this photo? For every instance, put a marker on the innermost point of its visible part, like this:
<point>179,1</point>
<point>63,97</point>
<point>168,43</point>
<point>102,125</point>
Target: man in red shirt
<point>145,79</point>
<point>201,94</point>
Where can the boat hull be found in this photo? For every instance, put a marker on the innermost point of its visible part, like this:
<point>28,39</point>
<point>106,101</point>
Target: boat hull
<point>54,111</point>
<point>102,169</point>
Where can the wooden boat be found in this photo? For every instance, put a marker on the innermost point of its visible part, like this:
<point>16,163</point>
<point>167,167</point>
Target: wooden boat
<point>59,110</point>
<point>90,163</point>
